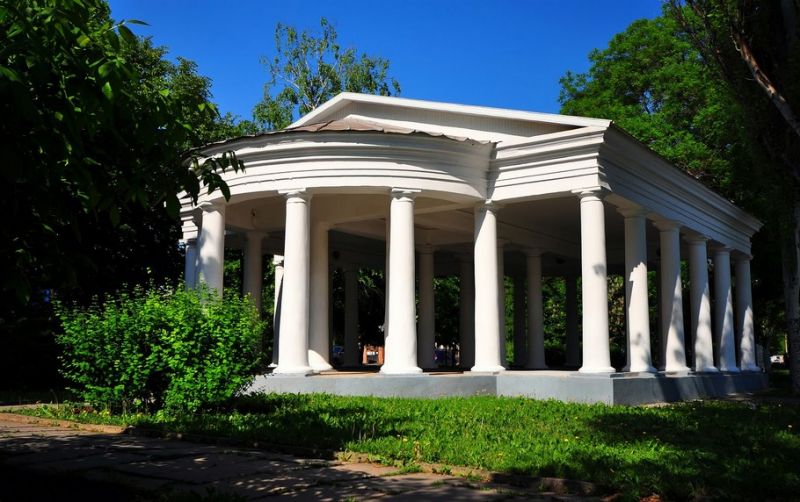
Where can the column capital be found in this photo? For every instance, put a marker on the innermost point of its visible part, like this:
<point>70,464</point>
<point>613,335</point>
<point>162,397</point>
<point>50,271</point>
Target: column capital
<point>209,206</point>
<point>501,243</point>
<point>740,257</point>
<point>719,249</point>
<point>426,249</point>
<point>296,194</point>
<point>407,194</point>
<point>529,252</point>
<point>667,225</point>
<point>489,205</point>
<point>591,193</point>
<point>632,212</point>
<point>695,239</point>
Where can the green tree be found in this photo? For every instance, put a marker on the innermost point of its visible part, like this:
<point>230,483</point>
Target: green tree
<point>94,122</point>
<point>307,70</point>
<point>754,48</point>
<point>88,134</point>
<point>653,83</point>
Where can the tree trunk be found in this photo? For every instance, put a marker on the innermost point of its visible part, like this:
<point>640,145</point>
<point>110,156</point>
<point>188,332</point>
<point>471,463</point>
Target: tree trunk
<point>791,289</point>
<point>763,81</point>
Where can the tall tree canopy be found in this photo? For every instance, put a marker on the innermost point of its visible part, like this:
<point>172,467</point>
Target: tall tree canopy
<point>94,123</point>
<point>653,83</point>
<point>307,70</point>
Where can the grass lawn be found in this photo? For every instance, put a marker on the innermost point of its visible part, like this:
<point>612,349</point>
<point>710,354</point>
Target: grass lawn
<point>704,449</point>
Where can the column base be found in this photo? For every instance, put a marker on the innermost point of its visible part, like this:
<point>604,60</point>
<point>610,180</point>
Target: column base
<point>729,369</point>
<point>487,369</point>
<point>677,369</point>
<point>600,369</point>
<point>317,362</point>
<point>293,371</point>
<point>321,367</point>
<point>751,368</point>
<point>640,369</point>
<point>411,370</point>
<point>272,365</point>
<point>708,369</point>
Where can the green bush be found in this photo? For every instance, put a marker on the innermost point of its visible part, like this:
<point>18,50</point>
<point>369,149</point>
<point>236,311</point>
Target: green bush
<point>161,347</point>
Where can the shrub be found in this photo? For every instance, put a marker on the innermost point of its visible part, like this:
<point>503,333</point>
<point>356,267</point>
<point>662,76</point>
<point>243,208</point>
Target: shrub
<point>160,347</point>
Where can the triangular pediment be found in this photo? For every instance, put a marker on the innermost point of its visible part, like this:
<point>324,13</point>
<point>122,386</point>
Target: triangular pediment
<point>475,122</point>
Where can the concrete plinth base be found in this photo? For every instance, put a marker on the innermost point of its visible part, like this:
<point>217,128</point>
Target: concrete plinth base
<point>614,388</point>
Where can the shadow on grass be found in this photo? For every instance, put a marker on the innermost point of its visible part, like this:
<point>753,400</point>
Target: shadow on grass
<point>317,424</point>
<point>722,450</point>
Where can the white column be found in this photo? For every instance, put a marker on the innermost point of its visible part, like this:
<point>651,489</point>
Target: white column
<point>351,352</point>
<point>573,341</point>
<point>672,297</point>
<point>487,311</point>
<point>637,310</point>
<point>596,350</point>
<point>701,306</point>
<point>723,310</point>
<point>520,344</point>
<point>660,336</point>
<point>400,355</point>
<point>386,298</point>
<point>253,268</point>
<point>501,298</point>
<point>535,359</point>
<point>294,325</point>
<point>744,315</point>
<point>277,261</point>
<point>211,247</point>
<point>190,265</point>
<point>427,310</point>
<point>319,322</point>
<point>466,321</point>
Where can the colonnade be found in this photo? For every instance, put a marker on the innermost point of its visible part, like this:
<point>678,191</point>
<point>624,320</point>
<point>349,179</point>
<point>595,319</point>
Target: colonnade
<point>303,344</point>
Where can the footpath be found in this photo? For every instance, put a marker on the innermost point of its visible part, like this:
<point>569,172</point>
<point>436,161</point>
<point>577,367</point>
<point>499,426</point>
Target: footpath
<point>44,459</point>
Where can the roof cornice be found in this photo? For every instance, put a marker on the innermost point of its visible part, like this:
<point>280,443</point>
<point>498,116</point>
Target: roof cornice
<point>345,98</point>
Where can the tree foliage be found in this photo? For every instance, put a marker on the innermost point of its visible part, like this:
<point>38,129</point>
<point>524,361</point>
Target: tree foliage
<point>93,126</point>
<point>308,69</point>
<point>653,83</point>
<point>755,47</point>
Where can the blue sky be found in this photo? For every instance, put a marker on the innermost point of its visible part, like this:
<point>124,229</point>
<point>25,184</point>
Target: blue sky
<point>503,53</point>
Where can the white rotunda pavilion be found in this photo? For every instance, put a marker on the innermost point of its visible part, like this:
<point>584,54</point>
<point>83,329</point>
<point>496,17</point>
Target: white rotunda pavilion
<point>427,189</point>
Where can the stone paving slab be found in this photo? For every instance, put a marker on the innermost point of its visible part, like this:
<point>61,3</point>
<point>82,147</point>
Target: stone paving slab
<point>67,459</point>
<point>116,477</point>
<point>203,469</point>
<point>170,466</point>
<point>329,493</point>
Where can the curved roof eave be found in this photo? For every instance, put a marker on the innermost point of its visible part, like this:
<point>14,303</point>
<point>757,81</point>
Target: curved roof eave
<point>342,125</point>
